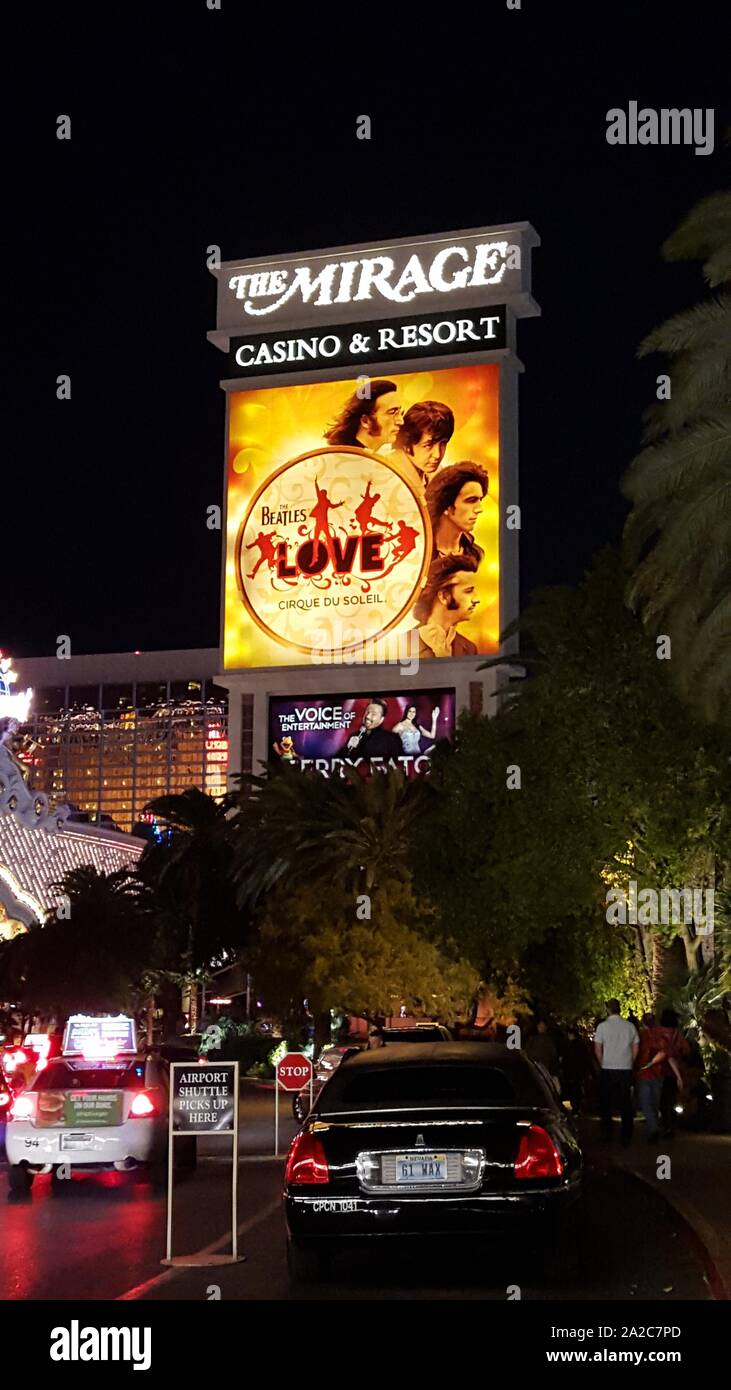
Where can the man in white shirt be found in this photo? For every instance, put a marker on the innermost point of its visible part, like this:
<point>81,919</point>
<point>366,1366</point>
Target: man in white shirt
<point>616,1044</point>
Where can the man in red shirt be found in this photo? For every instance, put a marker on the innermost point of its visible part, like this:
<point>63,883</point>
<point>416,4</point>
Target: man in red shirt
<point>650,1069</point>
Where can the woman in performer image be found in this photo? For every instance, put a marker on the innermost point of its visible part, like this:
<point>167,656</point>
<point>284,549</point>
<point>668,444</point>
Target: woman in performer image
<point>410,732</point>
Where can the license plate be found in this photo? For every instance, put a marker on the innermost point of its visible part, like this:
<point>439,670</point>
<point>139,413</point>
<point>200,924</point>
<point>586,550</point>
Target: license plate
<point>76,1141</point>
<point>423,1168</point>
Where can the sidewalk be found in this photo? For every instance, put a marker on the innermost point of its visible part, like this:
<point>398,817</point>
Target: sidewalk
<point>699,1185</point>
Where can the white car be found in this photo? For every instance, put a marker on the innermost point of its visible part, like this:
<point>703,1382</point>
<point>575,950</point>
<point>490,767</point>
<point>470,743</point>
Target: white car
<point>80,1114</point>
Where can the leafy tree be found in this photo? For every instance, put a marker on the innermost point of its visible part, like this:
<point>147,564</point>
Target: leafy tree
<point>580,963</point>
<point>327,950</point>
<point>703,1001</point>
<point>307,849</point>
<point>677,535</point>
<point>593,774</point>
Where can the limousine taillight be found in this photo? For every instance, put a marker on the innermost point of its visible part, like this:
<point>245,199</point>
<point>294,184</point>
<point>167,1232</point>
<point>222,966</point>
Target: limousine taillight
<point>537,1156</point>
<point>306,1161</point>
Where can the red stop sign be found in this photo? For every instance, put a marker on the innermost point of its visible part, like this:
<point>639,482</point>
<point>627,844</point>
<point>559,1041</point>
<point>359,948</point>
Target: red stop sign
<point>294,1071</point>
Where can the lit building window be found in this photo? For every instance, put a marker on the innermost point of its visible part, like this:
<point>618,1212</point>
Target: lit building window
<point>110,762</point>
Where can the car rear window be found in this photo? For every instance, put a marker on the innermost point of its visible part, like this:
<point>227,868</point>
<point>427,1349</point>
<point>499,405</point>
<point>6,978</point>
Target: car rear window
<point>61,1076</point>
<point>430,1085</point>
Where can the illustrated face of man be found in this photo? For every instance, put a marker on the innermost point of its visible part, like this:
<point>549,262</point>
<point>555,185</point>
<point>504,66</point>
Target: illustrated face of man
<point>466,507</point>
<point>384,423</point>
<point>428,454</point>
<point>373,716</point>
<point>461,597</point>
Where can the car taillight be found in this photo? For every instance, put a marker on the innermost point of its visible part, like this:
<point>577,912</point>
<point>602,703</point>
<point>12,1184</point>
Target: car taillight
<point>142,1107</point>
<point>5,1099</point>
<point>23,1107</point>
<point>11,1060</point>
<point>538,1156</point>
<point>306,1161</point>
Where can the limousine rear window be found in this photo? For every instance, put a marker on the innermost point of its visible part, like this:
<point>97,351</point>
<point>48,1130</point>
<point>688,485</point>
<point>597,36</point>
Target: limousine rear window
<point>429,1085</point>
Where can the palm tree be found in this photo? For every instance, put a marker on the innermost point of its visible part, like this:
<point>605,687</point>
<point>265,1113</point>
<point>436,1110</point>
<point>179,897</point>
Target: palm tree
<point>372,826</point>
<point>189,872</point>
<point>96,893</point>
<point>300,827</point>
<point>678,534</point>
<point>93,956</point>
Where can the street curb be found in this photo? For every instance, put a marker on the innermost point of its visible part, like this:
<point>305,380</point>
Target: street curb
<point>246,1158</point>
<point>698,1232</point>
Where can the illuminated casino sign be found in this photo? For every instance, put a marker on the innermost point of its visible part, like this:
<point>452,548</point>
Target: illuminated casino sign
<point>348,283</point>
<point>400,279</point>
<point>362,527</point>
<point>427,335</point>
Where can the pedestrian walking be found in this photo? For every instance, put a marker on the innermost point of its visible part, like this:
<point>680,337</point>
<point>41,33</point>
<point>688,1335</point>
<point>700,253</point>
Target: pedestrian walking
<point>540,1047</point>
<point>649,1074</point>
<point>616,1045</point>
<point>576,1066</point>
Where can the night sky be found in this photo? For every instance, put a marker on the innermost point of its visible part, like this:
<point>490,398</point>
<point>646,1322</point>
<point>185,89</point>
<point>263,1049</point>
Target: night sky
<point>192,127</point>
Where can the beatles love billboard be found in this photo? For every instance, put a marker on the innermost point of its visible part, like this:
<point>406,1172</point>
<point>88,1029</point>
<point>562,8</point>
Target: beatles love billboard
<point>362,519</point>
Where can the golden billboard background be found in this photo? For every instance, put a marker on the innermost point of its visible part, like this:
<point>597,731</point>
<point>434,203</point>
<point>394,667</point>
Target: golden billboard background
<point>279,465</point>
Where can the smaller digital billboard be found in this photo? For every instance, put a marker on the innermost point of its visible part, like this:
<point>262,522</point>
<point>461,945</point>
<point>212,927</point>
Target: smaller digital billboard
<point>370,732</point>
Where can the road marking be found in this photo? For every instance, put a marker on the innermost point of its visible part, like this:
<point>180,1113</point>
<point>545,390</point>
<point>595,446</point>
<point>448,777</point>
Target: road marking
<point>140,1290</point>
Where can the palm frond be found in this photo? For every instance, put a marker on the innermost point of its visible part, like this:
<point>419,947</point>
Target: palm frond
<point>691,329</point>
<point>700,389</point>
<point>681,463</point>
<point>706,227</point>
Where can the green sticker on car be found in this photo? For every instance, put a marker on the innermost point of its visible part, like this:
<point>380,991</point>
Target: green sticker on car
<point>93,1108</point>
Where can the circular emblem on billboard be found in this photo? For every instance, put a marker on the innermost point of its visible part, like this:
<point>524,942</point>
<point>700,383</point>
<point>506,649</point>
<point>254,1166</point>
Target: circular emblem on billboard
<point>333,550</point>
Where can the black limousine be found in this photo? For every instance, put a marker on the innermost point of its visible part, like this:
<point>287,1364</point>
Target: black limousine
<point>434,1139</point>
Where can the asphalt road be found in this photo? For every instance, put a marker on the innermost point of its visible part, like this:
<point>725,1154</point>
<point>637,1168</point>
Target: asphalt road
<point>104,1236</point>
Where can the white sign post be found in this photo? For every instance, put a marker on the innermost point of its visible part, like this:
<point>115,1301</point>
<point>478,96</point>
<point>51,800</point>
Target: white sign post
<point>204,1099</point>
